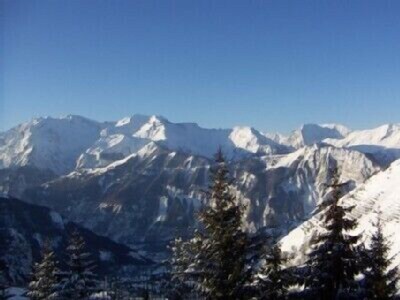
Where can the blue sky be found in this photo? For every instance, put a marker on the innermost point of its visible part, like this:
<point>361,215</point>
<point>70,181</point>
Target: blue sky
<point>270,64</point>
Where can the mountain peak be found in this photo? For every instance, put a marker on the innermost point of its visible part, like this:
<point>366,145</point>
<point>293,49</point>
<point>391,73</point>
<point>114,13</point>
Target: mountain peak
<point>310,133</point>
<point>139,118</point>
<point>48,143</point>
<point>158,119</point>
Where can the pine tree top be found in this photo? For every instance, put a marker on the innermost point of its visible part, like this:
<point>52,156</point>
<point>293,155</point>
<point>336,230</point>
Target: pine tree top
<point>334,257</point>
<point>44,283</point>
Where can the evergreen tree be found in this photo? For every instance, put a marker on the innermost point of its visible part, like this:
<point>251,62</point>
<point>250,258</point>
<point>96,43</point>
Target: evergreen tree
<point>45,280</point>
<point>3,292</point>
<point>3,285</point>
<point>273,280</point>
<point>334,258</point>
<point>380,282</point>
<point>116,289</point>
<point>177,289</point>
<point>80,281</point>
<point>215,258</point>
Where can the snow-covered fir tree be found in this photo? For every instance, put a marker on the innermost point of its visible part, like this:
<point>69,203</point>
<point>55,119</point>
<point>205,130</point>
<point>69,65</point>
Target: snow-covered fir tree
<point>79,281</point>
<point>334,258</point>
<point>273,279</point>
<point>45,283</point>
<point>380,281</point>
<point>175,287</point>
<point>215,258</point>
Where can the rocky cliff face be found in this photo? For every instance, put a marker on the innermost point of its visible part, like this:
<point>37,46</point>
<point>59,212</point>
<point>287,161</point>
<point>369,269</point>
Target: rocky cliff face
<point>154,196</point>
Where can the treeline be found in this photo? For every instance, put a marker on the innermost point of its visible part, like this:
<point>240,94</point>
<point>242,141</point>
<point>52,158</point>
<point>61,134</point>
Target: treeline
<point>223,262</point>
<point>79,279</point>
<point>77,282</point>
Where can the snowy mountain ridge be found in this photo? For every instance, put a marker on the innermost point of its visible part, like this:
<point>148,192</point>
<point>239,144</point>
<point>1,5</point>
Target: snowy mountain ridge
<point>63,144</point>
<point>309,134</point>
<point>382,142</point>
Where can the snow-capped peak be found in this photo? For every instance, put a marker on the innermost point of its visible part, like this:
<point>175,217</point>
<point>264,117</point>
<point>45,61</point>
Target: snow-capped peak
<point>343,130</point>
<point>309,134</point>
<point>154,129</point>
<point>251,140</point>
<point>48,143</point>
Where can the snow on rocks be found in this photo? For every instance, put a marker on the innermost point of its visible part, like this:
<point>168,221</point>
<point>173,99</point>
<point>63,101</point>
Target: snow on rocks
<point>380,193</point>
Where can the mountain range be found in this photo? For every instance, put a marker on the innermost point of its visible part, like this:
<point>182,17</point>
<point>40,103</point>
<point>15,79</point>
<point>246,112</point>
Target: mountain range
<point>140,180</point>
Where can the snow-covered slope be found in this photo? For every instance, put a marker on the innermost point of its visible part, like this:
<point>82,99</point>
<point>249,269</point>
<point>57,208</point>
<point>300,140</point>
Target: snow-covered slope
<point>310,134</point>
<point>380,193</point>
<point>310,167</point>
<point>109,149</point>
<point>48,143</point>
<point>251,140</point>
<point>383,142</point>
<point>387,136</point>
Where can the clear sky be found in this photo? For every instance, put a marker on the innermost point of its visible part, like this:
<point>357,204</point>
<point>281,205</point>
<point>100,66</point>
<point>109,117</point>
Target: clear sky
<point>269,64</point>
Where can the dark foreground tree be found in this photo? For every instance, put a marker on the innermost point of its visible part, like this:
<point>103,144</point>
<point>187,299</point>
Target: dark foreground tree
<point>3,285</point>
<point>273,280</point>
<point>380,281</point>
<point>3,292</point>
<point>45,282</point>
<point>334,257</point>
<point>214,260</point>
<point>116,289</point>
<point>80,281</point>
